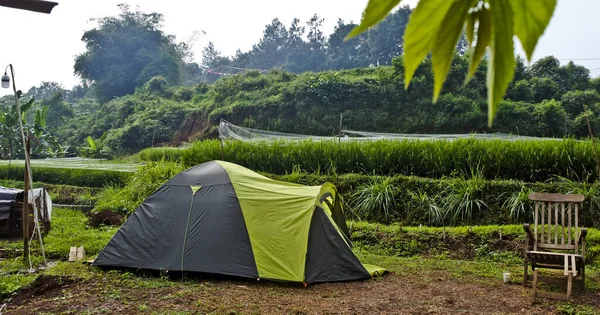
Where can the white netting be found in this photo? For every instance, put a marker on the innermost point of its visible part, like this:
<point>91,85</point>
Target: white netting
<point>229,131</point>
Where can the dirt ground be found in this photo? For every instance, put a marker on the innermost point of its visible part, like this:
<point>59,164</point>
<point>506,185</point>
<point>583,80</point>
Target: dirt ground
<point>433,293</point>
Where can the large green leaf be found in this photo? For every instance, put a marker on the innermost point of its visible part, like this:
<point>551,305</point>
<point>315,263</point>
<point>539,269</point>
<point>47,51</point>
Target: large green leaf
<point>375,11</point>
<point>481,38</point>
<point>445,43</point>
<point>421,32</point>
<point>91,143</point>
<point>25,107</point>
<point>501,67</point>
<point>530,20</point>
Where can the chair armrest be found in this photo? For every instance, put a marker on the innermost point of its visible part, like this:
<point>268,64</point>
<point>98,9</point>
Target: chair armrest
<point>530,237</point>
<point>582,235</point>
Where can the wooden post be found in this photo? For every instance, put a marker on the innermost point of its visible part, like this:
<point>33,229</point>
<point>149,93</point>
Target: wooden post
<point>25,215</point>
<point>340,131</point>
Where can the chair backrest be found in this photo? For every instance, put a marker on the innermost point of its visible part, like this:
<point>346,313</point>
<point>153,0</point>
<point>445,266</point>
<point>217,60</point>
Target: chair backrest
<point>556,221</point>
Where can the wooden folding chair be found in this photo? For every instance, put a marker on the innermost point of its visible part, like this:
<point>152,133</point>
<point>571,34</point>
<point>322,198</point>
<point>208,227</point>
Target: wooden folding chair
<point>556,242</point>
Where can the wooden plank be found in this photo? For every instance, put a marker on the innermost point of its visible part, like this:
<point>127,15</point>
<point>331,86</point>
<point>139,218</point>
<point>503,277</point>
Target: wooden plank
<point>566,265</point>
<point>556,280</point>
<point>556,223</point>
<point>549,221</point>
<point>558,247</point>
<point>552,253</point>
<point>542,225</point>
<point>573,267</point>
<point>569,286</point>
<point>556,197</point>
<point>554,296</point>
<point>73,253</point>
<point>562,240</point>
<point>535,282</point>
<point>569,214</point>
<point>576,229</point>
<point>535,226</point>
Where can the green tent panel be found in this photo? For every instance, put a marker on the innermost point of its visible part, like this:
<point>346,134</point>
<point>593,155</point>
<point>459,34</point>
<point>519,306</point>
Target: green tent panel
<point>222,218</point>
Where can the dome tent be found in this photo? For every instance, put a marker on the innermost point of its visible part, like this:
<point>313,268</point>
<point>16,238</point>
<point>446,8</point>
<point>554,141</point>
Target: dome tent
<point>221,218</point>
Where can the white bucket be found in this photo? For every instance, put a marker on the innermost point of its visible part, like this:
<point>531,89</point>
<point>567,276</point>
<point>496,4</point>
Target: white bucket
<point>506,277</point>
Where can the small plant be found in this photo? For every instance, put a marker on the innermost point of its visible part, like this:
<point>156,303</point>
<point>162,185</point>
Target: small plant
<point>435,214</point>
<point>377,198</point>
<point>95,148</point>
<point>462,197</point>
<point>519,204</point>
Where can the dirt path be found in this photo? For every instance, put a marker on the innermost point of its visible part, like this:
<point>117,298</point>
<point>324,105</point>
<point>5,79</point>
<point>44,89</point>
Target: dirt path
<point>433,293</point>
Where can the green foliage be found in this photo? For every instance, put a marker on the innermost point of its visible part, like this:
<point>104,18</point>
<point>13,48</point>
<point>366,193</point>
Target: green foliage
<point>70,229</point>
<point>378,198</point>
<point>95,148</point>
<point>126,51</point>
<point>143,183</point>
<point>11,283</point>
<point>435,27</point>
<point>463,198</point>
<point>496,159</point>
<point>519,204</point>
<point>65,176</point>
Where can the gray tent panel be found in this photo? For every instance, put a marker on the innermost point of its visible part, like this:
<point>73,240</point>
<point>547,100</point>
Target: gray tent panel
<point>329,258</point>
<point>149,238</point>
<point>217,239</point>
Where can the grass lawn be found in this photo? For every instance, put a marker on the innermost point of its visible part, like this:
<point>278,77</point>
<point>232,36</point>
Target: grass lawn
<point>420,281</point>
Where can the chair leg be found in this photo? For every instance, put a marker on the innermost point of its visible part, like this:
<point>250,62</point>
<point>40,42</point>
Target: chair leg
<point>525,273</point>
<point>535,281</point>
<point>569,285</point>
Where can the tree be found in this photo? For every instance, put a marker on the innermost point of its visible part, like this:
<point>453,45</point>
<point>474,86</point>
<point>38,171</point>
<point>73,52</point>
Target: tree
<point>436,25</point>
<point>385,39</point>
<point>575,102</point>
<point>212,59</point>
<point>346,54</point>
<point>125,51</point>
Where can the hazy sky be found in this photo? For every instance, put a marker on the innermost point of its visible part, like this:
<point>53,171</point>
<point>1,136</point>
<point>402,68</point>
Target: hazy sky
<point>42,47</point>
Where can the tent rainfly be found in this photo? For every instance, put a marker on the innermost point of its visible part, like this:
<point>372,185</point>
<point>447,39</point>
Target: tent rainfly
<point>221,218</point>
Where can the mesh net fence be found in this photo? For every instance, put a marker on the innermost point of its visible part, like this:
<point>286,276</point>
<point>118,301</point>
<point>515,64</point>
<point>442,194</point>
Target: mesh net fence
<point>229,131</point>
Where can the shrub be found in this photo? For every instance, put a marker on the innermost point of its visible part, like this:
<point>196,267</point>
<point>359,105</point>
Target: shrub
<point>144,182</point>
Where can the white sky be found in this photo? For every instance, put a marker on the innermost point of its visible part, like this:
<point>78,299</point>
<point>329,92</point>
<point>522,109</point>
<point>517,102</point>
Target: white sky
<point>42,47</point>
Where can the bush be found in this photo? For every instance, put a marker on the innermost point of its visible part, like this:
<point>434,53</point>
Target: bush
<point>407,200</point>
<point>65,176</point>
<point>144,182</point>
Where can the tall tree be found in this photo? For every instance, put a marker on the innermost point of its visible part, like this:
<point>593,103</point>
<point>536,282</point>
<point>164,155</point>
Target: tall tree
<point>346,54</point>
<point>125,51</point>
<point>386,39</point>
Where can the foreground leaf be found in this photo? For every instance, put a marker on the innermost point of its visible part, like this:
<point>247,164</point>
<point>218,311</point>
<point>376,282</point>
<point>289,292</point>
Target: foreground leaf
<point>375,11</point>
<point>421,32</point>
<point>445,43</point>
<point>530,20</point>
<point>501,67</point>
<point>482,39</point>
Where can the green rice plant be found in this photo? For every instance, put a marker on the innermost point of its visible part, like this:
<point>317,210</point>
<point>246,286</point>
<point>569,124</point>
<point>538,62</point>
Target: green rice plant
<point>376,199</point>
<point>526,160</point>
<point>420,199</point>
<point>462,197</point>
<point>519,204</point>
